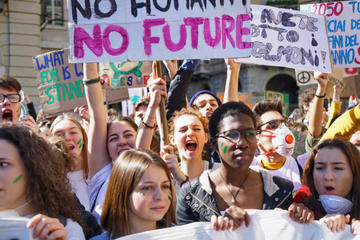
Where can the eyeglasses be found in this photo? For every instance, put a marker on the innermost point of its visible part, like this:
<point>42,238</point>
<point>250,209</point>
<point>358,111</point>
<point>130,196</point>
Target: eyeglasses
<point>234,135</point>
<point>274,124</point>
<point>13,98</point>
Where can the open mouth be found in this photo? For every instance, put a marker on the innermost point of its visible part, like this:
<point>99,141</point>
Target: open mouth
<point>191,146</point>
<point>7,115</point>
<point>329,189</point>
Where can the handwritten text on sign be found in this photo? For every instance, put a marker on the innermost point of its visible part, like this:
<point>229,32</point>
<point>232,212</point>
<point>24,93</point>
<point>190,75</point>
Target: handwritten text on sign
<point>125,74</point>
<point>113,31</point>
<point>288,38</point>
<point>343,22</point>
<point>60,84</point>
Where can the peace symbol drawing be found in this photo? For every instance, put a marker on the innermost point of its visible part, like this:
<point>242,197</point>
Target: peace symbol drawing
<point>303,77</point>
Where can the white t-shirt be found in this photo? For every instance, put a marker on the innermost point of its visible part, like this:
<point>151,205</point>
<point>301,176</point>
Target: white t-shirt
<point>289,170</point>
<point>97,186</point>
<point>79,187</point>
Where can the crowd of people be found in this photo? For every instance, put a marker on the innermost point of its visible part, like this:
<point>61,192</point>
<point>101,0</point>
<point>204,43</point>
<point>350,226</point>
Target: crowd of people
<point>94,174</point>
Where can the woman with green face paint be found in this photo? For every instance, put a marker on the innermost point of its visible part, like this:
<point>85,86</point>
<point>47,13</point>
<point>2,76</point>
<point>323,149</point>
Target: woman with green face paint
<point>33,184</point>
<point>71,131</point>
<point>224,195</point>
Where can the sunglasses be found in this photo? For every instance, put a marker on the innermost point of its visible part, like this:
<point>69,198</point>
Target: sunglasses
<point>13,98</point>
<point>234,135</point>
<point>274,124</point>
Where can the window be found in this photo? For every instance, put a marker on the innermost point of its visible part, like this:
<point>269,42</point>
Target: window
<point>52,12</point>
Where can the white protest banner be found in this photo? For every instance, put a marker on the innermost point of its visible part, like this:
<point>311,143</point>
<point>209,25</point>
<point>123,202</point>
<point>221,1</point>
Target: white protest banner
<point>138,30</point>
<point>14,228</point>
<point>288,38</point>
<point>125,74</point>
<point>264,224</point>
<point>343,22</point>
<point>60,84</point>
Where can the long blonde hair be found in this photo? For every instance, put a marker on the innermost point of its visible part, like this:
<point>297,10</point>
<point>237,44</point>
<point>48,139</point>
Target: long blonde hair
<point>84,153</point>
<point>126,173</point>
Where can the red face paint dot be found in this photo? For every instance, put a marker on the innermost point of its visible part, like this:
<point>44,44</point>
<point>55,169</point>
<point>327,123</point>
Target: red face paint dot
<point>289,139</point>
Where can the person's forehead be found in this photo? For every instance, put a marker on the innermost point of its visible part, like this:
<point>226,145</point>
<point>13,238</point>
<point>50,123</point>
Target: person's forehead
<point>186,119</point>
<point>204,97</point>
<point>270,115</point>
<point>238,121</point>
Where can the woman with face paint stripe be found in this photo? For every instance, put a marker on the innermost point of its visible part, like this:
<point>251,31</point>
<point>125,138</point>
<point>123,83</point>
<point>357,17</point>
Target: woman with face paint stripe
<point>33,184</point>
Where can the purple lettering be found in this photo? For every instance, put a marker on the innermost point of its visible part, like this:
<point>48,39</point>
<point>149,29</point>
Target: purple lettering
<point>94,44</point>
<point>174,47</point>
<point>107,44</point>
<point>148,39</point>
<point>226,30</point>
<point>194,24</point>
<point>240,31</point>
<point>212,42</point>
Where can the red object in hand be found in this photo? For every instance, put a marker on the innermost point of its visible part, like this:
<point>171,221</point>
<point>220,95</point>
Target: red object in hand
<point>302,194</point>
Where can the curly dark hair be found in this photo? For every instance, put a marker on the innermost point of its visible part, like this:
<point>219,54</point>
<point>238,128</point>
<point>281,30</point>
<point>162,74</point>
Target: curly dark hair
<point>48,188</point>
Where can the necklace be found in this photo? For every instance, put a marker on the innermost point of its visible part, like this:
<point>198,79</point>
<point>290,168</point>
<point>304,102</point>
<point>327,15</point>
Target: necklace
<point>233,197</point>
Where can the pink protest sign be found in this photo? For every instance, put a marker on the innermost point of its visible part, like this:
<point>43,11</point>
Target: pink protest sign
<point>137,30</point>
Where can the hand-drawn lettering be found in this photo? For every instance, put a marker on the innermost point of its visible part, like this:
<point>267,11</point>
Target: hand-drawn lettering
<point>101,14</point>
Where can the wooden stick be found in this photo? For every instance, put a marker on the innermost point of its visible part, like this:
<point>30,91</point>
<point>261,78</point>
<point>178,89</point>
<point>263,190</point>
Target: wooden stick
<point>163,127</point>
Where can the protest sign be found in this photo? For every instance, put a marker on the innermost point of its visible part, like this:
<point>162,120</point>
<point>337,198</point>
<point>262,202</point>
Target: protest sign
<point>245,97</point>
<point>343,23</point>
<point>283,97</point>
<point>60,84</point>
<point>288,38</point>
<point>114,31</point>
<point>14,228</point>
<point>264,224</point>
<point>125,74</point>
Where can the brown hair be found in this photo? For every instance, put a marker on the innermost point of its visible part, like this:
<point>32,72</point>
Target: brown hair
<point>61,145</point>
<point>47,186</point>
<point>9,83</point>
<point>187,111</point>
<point>306,97</point>
<point>142,102</point>
<point>264,106</point>
<point>353,158</point>
<point>84,153</point>
<point>126,173</point>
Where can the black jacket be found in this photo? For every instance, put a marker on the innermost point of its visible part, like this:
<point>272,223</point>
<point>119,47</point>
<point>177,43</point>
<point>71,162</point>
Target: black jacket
<point>195,201</point>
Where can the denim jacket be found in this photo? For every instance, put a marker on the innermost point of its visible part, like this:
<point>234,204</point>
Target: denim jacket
<point>195,201</point>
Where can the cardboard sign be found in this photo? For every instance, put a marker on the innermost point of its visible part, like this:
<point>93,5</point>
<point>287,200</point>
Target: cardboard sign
<point>283,97</point>
<point>288,38</point>
<point>343,25</point>
<point>245,97</point>
<point>114,31</point>
<point>60,83</point>
<point>125,74</point>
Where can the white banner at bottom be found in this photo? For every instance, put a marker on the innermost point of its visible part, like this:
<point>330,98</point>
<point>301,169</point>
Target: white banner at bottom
<point>264,224</point>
